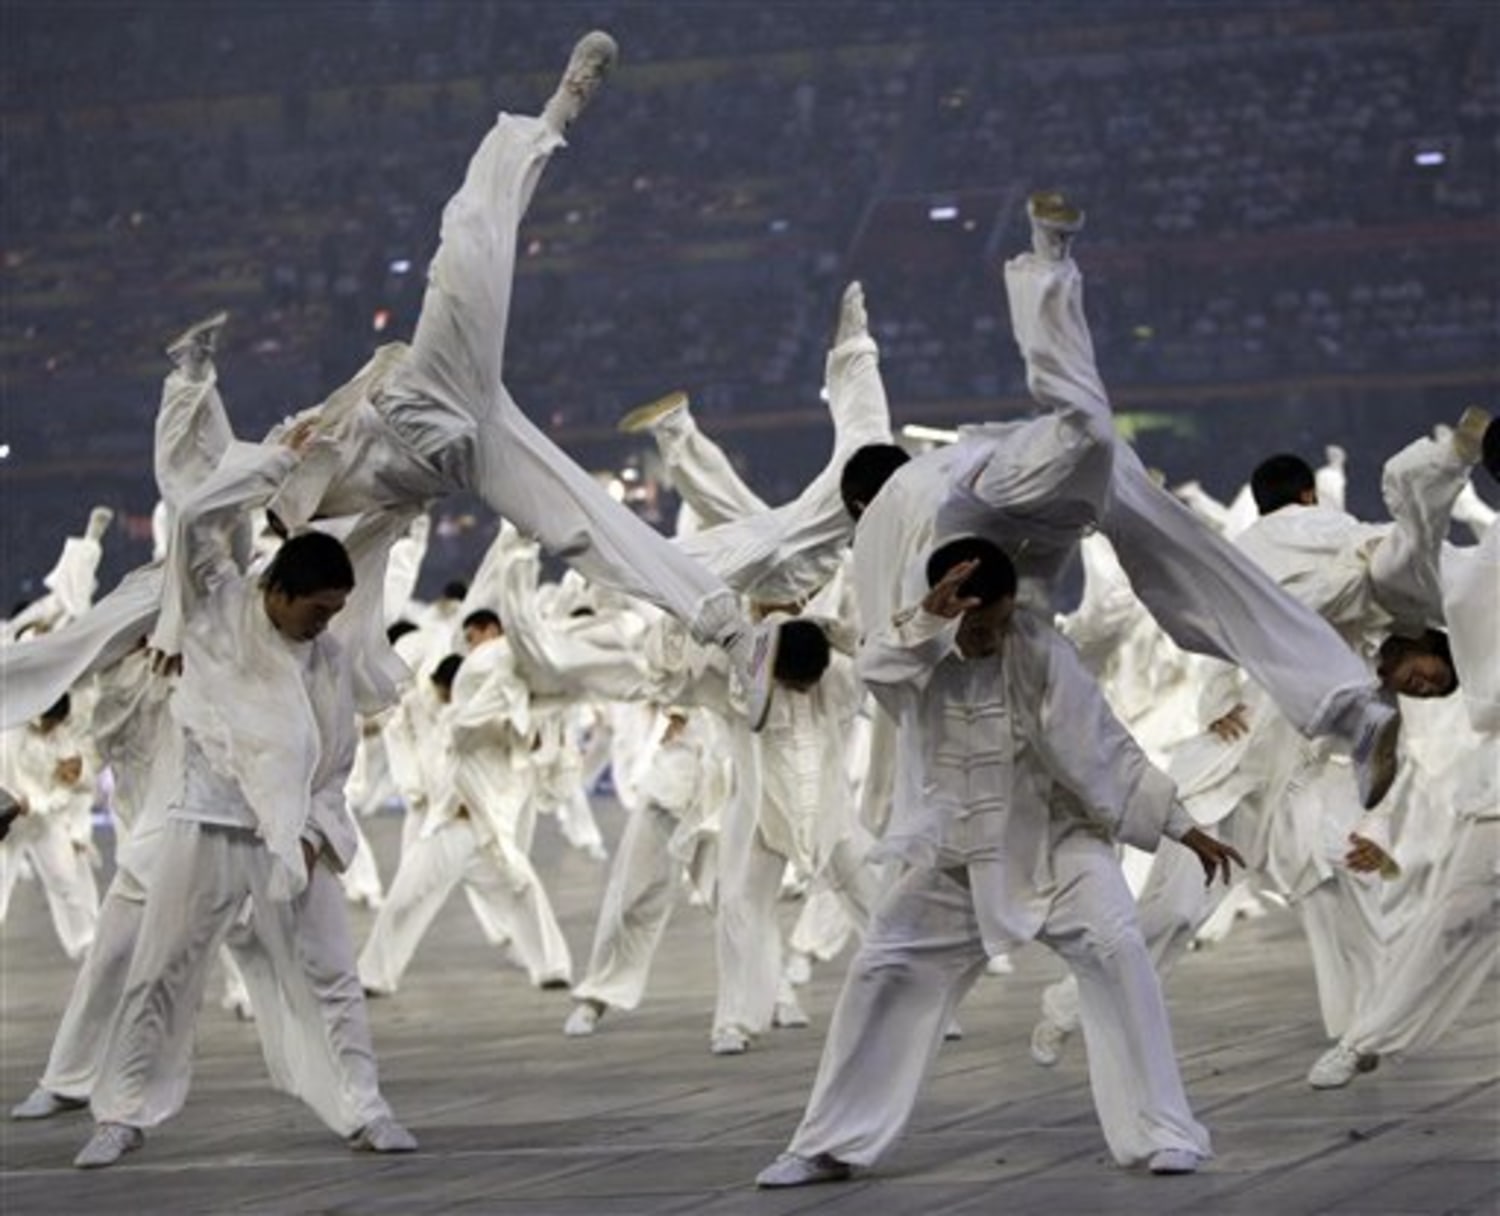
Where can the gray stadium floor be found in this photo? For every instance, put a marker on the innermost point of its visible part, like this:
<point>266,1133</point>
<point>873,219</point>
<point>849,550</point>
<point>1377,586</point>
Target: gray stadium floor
<point>518,1121</point>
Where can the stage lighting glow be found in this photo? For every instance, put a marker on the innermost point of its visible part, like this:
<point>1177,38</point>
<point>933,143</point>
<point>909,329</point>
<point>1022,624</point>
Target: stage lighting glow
<point>1429,157</point>
<point>401,266</point>
<point>942,213</point>
<point>380,320</point>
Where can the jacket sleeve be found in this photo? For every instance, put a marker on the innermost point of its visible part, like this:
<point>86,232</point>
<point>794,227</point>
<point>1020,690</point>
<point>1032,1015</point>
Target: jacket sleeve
<point>1086,750</point>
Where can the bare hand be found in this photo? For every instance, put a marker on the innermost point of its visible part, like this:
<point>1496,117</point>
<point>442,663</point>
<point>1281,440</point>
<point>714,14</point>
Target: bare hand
<point>1367,857</point>
<point>1233,725</point>
<point>68,771</point>
<point>300,435</point>
<point>1215,855</point>
<point>944,600</point>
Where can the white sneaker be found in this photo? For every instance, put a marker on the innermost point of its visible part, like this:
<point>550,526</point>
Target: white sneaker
<point>644,417</point>
<point>792,1170</point>
<point>583,1021</point>
<point>753,653</point>
<point>729,1041</point>
<point>1339,1065</point>
<point>1174,1161</point>
<point>789,1014</point>
<point>43,1104</point>
<point>1047,1039</point>
<point>194,347</point>
<point>1468,435</point>
<point>108,1144</point>
<point>383,1135</point>
<point>1054,223</point>
<point>593,58</point>
<point>853,319</point>
<point>1375,752</point>
<point>1000,964</point>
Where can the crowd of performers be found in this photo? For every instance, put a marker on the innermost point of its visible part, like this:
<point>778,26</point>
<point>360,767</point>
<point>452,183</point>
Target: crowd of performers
<point>864,691</point>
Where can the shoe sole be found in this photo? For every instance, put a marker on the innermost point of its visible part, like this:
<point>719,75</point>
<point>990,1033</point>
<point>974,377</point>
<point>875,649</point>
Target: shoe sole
<point>640,418</point>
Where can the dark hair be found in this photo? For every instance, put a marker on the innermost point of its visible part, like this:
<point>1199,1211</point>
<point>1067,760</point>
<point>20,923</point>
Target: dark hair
<point>456,590</point>
<point>1490,448</point>
<point>444,673</point>
<point>59,710</point>
<point>802,652</point>
<point>483,618</point>
<point>992,580</point>
<point>866,472</point>
<point>582,610</point>
<point>1430,641</point>
<point>398,630</point>
<point>308,563</point>
<point>1280,481</point>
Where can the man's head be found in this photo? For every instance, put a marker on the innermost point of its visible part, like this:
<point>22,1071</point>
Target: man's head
<point>1490,449</point>
<point>443,676</point>
<point>1281,481</point>
<point>482,625</point>
<point>306,585</point>
<point>866,472</point>
<point>992,582</point>
<point>802,655</point>
<point>1420,666</point>
<point>55,714</point>
<point>397,630</point>
<point>456,590</point>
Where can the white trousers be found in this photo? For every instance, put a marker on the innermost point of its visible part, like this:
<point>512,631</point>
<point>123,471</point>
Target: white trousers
<point>503,889</point>
<point>747,935</point>
<point>78,1046</point>
<point>448,402</point>
<point>1439,961</point>
<point>361,881</point>
<point>644,883</point>
<point>1340,916</point>
<point>66,876</point>
<point>307,996</point>
<point>1208,596</point>
<point>782,554</point>
<point>923,951</point>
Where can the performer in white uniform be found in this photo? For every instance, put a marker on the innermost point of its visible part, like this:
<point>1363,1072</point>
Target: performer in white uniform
<point>1290,803</point>
<point>1440,955</point>
<point>260,813</point>
<point>1035,486</point>
<point>1014,781</point>
<point>667,842</point>
<point>478,826</point>
<point>50,768</point>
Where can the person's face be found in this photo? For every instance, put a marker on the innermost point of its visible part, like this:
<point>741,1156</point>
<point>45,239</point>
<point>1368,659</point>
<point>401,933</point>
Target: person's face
<point>475,634</point>
<point>304,617</point>
<point>979,629</point>
<point>1420,675</point>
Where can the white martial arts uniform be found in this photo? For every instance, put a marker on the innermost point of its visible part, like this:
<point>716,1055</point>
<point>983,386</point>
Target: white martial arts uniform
<point>264,774</point>
<point>683,779</point>
<point>1443,951</point>
<point>55,835</point>
<point>1287,803</point>
<point>477,831</point>
<point>1032,487</point>
<point>1013,781</point>
<point>436,418</point>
